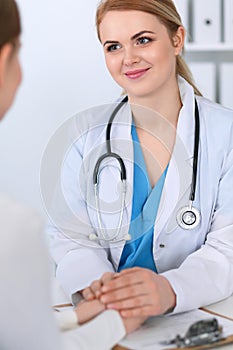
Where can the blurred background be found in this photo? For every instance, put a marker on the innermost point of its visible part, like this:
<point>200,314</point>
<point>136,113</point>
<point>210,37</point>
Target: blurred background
<point>63,73</point>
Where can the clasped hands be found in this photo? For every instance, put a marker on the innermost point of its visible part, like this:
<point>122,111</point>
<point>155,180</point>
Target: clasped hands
<point>136,293</point>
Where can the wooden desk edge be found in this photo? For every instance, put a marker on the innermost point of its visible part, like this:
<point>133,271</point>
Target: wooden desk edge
<point>59,306</point>
<point>216,313</point>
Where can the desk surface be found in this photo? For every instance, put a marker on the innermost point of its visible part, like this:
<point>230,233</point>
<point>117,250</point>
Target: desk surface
<point>224,308</point>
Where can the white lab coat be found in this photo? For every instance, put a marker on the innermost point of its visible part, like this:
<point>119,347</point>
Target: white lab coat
<point>198,263</point>
<point>26,319</point>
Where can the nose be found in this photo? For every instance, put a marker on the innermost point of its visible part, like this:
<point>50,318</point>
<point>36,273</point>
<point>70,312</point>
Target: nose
<point>131,56</point>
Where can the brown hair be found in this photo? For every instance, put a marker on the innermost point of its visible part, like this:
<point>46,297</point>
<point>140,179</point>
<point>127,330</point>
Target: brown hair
<point>10,27</point>
<point>164,10</point>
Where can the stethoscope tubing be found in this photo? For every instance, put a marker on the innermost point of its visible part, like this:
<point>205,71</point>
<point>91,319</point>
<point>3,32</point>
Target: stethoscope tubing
<point>182,213</point>
<point>109,153</point>
<point>195,153</point>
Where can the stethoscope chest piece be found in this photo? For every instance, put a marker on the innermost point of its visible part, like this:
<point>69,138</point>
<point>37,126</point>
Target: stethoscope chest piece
<point>188,217</point>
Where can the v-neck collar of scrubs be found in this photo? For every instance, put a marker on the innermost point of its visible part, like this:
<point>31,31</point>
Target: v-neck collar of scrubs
<point>138,251</point>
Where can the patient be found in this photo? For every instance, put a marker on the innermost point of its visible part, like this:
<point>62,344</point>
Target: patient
<point>27,320</point>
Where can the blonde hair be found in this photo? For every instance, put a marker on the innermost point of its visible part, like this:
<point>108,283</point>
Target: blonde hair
<point>167,14</point>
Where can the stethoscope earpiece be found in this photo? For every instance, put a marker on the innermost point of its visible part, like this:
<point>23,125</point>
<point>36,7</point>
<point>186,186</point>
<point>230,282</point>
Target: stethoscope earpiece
<point>127,237</point>
<point>93,237</point>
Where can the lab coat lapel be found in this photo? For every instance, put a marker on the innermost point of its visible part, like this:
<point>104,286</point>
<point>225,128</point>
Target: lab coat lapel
<point>121,143</point>
<point>121,131</point>
<point>179,175</point>
<point>109,173</point>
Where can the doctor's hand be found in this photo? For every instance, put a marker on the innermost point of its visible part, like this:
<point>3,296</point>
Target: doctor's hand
<point>133,323</point>
<point>86,310</point>
<point>138,292</point>
<point>94,290</point>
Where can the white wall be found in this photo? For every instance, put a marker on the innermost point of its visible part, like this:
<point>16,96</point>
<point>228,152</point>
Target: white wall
<point>63,72</point>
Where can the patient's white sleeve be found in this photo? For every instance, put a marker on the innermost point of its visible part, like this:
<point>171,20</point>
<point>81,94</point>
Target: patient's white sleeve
<point>102,333</point>
<point>66,319</point>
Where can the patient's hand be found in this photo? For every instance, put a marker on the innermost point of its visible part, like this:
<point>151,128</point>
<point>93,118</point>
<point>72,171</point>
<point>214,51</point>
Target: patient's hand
<point>86,310</point>
<point>131,324</point>
<point>92,294</point>
<point>94,290</point>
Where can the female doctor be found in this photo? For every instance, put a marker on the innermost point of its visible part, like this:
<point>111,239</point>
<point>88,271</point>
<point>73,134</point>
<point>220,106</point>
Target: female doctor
<point>144,217</point>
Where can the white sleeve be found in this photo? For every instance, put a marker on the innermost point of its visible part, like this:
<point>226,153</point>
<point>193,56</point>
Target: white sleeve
<point>26,316</point>
<point>70,227</point>
<point>206,276</point>
<point>102,333</point>
<point>66,319</point>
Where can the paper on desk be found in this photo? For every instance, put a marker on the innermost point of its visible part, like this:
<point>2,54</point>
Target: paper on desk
<point>161,328</point>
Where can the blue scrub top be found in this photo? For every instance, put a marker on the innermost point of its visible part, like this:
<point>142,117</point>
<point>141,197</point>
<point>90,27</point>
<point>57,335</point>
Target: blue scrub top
<point>139,250</point>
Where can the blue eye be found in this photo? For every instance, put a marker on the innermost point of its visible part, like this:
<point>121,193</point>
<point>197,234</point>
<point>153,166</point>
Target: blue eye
<point>113,47</point>
<point>143,40</point>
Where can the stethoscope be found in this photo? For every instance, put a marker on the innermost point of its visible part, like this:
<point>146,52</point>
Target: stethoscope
<point>188,217</point>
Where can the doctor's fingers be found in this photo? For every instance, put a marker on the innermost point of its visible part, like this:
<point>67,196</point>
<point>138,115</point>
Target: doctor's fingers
<point>134,276</point>
<point>94,290</point>
<point>144,311</point>
<point>96,285</point>
<point>120,294</point>
<point>142,305</point>
<point>107,276</point>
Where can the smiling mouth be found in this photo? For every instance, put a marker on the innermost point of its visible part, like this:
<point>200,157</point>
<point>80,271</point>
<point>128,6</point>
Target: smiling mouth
<point>136,73</point>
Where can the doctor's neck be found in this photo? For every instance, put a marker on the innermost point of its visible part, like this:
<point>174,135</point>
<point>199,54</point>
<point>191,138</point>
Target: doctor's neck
<point>149,110</point>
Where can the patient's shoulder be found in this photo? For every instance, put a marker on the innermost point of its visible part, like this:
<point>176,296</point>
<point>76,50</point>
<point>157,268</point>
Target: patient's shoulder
<point>17,219</point>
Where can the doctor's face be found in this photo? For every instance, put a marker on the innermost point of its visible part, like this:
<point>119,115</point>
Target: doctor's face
<point>139,53</point>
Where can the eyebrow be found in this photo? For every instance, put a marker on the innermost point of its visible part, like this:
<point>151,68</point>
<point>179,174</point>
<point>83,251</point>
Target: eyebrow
<point>135,36</point>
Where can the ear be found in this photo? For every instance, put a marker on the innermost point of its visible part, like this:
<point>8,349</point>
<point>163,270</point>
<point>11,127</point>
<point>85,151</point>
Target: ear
<point>5,53</point>
<point>178,40</point>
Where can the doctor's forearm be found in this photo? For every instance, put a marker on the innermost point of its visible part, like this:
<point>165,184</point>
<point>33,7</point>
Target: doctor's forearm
<point>90,265</point>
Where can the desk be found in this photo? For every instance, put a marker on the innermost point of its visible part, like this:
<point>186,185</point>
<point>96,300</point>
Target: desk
<point>224,308</point>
